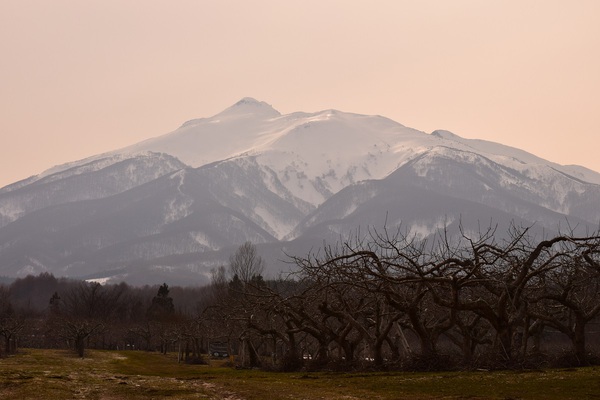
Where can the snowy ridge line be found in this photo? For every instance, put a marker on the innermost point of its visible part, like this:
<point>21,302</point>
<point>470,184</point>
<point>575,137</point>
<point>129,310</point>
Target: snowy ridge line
<point>174,206</point>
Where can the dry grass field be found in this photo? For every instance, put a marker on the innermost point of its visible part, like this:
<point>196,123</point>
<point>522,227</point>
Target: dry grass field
<point>59,374</point>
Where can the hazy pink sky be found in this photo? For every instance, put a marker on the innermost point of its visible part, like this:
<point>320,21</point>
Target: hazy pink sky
<point>83,77</point>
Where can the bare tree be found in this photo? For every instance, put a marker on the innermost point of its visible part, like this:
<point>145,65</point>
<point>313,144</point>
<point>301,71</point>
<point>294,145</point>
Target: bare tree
<point>87,309</point>
<point>10,323</point>
<point>570,296</point>
<point>475,292</point>
<point>246,263</point>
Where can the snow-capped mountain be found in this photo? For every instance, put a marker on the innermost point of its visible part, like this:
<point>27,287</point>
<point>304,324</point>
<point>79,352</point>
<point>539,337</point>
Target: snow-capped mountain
<point>172,207</point>
<point>90,179</point>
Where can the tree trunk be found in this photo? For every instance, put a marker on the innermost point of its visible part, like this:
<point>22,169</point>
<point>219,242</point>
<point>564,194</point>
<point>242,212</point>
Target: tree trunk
<point>378,352</point>
<point>394,348</point>
<point>7,344</point>
<point>80,346</point>
<point>426,341</point>
<point>254,358</point>
<point>579,341</point>
<point>504,343</point>
<point>348,348</point>
<point>467,349</point>
<point>323,353</point>
<point>427,347</point>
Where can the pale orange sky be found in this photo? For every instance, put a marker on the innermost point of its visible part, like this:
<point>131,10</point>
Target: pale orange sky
<point>82,77</point>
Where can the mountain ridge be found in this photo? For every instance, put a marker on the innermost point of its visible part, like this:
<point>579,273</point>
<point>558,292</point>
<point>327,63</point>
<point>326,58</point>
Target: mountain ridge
<point>176,205</point>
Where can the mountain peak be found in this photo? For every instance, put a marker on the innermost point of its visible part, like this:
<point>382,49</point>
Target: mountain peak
<point>250,101</point>
<point>445,134</point>
<point>251,106</point>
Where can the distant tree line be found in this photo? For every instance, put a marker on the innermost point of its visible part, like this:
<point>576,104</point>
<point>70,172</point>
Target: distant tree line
<point>386,301</point>
<point>48,312</point>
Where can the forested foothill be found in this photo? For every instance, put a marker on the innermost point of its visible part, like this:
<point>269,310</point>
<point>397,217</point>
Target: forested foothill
<point>385,300</point>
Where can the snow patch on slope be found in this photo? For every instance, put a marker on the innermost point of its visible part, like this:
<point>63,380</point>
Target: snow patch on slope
<point>276,226</point>
<point>180,206</point>
<point>32,267</point>
<point>424,229</point>
<point>10,211</point>
<point>204,240</point>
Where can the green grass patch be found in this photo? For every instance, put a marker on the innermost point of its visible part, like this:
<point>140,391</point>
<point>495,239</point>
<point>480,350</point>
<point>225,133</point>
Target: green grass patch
<point>56,374</point>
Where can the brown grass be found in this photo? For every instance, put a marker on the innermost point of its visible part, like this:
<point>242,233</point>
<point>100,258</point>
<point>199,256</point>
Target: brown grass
<point>58,374</point>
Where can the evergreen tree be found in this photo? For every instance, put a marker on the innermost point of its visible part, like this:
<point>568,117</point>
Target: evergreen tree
<point>162,304</point>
